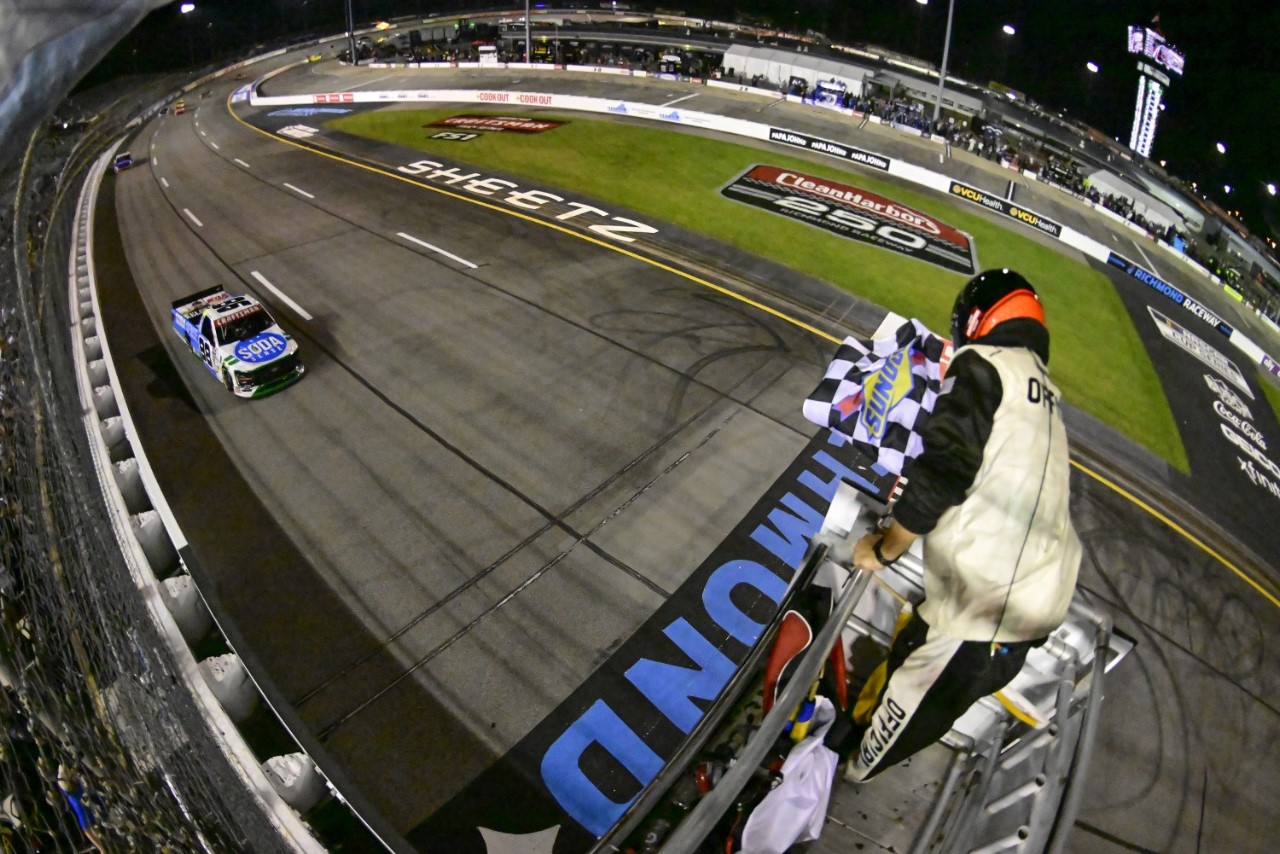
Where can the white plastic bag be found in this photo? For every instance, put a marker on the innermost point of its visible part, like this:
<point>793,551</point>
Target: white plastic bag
<point>797,807</point>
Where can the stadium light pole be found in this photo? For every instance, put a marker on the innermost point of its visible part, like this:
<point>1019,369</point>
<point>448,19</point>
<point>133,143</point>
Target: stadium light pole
<point>1009,32</point>
<point>351,33</point>
<point>186,9</point>
<point>920,4</point>
<point>946,53</point>
<point>1092,68</point>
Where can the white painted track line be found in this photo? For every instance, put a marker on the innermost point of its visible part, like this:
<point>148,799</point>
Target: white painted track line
<point>1151,265</point>
<point>192,217</point>
<point>214,145</point>
<point>262,280</point>
<point>299,191</point>
<point>165,181</point>
<point>241,162</point>
<point>371,82</point>
<point>678,100</point>
<point>409,237</point>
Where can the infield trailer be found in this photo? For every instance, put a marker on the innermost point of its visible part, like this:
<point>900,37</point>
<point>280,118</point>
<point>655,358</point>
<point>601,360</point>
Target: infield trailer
<point>875,161</point>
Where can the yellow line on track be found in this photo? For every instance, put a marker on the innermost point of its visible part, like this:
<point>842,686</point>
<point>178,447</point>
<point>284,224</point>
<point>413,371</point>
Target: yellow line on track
<point>733,295</point>
<point>536,221</point>
<point>1196,541</point>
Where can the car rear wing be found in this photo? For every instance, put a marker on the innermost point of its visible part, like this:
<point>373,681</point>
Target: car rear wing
<point>199,301</point>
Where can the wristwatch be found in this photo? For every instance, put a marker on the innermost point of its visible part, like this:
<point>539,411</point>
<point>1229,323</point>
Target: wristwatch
<point>879,555</point>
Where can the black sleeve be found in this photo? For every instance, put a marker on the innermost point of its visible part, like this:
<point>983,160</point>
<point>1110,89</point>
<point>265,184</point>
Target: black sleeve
<point>954,439</point>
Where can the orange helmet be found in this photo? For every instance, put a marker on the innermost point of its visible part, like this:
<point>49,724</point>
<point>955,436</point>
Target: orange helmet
<point>989,299</point>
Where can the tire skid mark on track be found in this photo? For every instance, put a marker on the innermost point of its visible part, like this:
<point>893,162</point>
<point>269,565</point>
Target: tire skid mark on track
<point>386,172</point>
<point>324,151</point>
<point>552,520</point>
<point>581,539</point>
<point>444,645</point>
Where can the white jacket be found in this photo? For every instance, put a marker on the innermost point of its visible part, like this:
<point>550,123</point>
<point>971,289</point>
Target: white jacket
<point>991,494</point>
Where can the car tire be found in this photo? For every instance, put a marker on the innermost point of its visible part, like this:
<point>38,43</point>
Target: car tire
<point>227,381</point>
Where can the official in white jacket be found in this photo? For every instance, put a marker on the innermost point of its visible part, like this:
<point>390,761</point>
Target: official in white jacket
<point>989,495</point>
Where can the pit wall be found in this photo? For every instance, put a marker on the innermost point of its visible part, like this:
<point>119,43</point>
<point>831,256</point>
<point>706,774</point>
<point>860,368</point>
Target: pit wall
<point>898,168</point>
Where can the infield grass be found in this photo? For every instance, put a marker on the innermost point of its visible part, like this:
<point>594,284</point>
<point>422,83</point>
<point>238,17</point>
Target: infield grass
<point>1097,357</point>
<point>1270,391</point>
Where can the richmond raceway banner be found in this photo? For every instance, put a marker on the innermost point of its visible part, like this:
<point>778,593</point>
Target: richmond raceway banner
<point>572,778</point>
<point>854,214</point>
<point>1006,208</point>
<point>1160,286</point>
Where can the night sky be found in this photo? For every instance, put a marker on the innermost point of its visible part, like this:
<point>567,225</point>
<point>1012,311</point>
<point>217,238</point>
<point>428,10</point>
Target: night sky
<point>1230,91</point>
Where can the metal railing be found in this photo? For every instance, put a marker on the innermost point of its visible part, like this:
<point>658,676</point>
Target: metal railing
<point>90,698</point>
<point>1012,782</point>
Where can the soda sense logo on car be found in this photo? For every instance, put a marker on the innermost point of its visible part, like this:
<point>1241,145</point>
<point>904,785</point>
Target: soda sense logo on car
<point>261,348</point>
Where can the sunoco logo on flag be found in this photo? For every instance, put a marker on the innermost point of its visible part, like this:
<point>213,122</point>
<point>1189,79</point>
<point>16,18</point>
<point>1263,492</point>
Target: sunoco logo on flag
<point>881,391</point>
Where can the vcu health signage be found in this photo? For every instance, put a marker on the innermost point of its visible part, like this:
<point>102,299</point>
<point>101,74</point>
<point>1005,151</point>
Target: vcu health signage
<point>855,214</point>
<point>1005,207</point>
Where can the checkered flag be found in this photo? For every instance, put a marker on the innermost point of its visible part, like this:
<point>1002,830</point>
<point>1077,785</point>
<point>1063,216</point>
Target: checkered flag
<point>879,393</point>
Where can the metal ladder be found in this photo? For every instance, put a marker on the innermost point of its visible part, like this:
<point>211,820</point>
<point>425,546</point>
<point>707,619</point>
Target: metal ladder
<point>1009,784</point>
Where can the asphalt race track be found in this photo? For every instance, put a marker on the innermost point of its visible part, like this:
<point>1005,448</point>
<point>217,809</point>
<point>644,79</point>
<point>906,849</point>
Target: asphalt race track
<point>514,447</point>
<point>1227,426</point>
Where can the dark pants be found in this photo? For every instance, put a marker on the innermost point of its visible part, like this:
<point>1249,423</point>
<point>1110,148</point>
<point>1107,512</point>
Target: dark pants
<point>931,681</point>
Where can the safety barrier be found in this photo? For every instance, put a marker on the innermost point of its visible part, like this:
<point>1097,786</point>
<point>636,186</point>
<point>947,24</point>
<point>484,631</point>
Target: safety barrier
<point>896,167</point>
<point>150,539</point>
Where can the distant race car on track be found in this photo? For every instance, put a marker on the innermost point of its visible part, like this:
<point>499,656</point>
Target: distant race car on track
<point>179,108</point>
<point>238,341</point>
<point>122,162</point>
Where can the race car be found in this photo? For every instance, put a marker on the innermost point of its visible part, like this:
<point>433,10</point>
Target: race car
<point>122,162</point>
<point>238,340</point>
<point>179,108</point>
